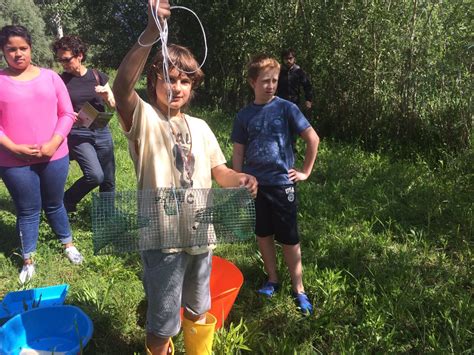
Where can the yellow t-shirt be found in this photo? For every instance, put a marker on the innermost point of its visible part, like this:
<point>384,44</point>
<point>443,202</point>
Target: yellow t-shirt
<point>158,161</point>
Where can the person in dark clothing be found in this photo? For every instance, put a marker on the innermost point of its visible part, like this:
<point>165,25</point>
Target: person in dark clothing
<point>291,79</point>
<point>92,147</point>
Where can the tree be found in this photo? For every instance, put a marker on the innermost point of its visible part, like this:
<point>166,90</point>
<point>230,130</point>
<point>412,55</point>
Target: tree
<point>384,72</point>
<point>25,13</point>
<point>61,16</point>
<point>110,28</point>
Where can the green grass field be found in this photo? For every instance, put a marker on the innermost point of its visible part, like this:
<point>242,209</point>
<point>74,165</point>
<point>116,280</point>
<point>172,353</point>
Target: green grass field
<point>387,255</point>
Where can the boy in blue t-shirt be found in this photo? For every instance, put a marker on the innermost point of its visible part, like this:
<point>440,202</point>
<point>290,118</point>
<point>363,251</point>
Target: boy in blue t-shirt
<point>262,136</point>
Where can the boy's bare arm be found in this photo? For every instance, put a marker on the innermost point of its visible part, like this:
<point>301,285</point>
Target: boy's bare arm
<point>238,157</point>
<point>124,85</point>
<point>226,177</point>
<point>132,66</point>
<point>311,139</point>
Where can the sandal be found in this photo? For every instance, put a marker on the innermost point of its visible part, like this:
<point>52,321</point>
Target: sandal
<point>269,288</point>
<point>303,303</point>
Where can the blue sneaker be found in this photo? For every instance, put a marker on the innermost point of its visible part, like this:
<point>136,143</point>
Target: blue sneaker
<point>303,303</point>
<point>269,288</point>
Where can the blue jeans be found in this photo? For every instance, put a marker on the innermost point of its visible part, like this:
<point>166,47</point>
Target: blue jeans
<point>32,187</point>
<point>94,152</point>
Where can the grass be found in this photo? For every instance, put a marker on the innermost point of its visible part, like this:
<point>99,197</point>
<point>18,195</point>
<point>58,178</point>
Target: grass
<point>387,255</point>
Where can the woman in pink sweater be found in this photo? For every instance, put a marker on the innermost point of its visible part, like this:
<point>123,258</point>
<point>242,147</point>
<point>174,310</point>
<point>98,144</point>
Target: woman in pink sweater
<point>36,116</point>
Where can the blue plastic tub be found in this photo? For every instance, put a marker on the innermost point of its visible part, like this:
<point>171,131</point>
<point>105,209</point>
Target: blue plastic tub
<point>20,301</point>
<point>57,329</point>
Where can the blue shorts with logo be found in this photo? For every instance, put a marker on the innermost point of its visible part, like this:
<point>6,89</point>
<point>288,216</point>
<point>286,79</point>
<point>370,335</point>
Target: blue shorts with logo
<point>276,213</point>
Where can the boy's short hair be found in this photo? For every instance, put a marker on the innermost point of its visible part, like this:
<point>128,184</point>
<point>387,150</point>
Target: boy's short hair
<point>259,62</point>
<point>180,58</point>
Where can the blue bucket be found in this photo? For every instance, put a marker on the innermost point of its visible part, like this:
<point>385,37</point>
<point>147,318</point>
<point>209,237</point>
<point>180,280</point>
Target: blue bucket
<point>58,329</point>
<point>20,301</point>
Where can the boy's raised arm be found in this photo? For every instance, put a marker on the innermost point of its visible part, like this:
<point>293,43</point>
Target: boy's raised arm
<point>132,66</point>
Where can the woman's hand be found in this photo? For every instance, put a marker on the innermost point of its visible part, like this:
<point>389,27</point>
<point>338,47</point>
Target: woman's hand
<point>102,92</point>
<point>48,149</point>
<point>26,152</point>
<point>76,117</point>
<point>105,92</point>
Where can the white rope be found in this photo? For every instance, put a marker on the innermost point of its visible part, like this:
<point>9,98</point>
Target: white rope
<point>203,36</point>
<point>162,26</point>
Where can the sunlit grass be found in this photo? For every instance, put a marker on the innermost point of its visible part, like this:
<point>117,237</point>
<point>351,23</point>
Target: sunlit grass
<point>387,255</point>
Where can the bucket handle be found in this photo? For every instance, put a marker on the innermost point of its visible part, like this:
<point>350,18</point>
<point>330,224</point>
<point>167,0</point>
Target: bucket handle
<point>225,293</point>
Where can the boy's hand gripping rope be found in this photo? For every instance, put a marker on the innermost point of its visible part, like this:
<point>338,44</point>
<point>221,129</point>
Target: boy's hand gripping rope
<point>162,25</point>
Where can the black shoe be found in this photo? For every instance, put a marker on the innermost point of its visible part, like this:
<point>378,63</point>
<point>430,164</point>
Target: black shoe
<point>70,208</point>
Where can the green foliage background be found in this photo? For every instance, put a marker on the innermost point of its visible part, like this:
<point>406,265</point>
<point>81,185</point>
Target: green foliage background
<point>387,242</point>
<point>391,75</point>
<point>26,13</point>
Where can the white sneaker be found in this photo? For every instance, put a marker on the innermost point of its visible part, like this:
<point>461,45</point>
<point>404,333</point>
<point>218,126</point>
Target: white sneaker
<point>27,273</point>
<point>73,255</point>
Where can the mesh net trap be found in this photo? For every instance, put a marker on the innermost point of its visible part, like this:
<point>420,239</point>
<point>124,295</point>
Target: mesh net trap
<point>168,218</point>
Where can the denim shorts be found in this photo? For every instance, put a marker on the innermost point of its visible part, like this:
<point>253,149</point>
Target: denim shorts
<point>172,280</point>
<point>276,213</point>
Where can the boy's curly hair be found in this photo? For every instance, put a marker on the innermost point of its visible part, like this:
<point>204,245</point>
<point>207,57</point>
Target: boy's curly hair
<point>181,59</point>
<point>259,62</point>
<point>71,43</point>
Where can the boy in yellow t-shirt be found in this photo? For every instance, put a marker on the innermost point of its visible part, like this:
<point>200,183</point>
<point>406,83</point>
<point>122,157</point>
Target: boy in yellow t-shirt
<point>170,148</point>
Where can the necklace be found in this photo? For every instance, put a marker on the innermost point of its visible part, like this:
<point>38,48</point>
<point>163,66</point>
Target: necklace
<point>183,147</point>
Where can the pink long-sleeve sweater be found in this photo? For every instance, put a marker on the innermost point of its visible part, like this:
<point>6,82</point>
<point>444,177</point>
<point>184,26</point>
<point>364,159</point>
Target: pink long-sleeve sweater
<point>31,112</point>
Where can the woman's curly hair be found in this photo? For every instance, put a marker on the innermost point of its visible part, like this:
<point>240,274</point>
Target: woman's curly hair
<point>71,43</point>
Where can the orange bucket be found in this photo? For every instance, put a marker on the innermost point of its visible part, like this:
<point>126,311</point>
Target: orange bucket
<point>225,283</point>
<point>226,280</point>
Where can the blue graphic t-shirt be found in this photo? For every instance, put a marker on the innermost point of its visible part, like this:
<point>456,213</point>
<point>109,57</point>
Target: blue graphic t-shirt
<point>266,132</point>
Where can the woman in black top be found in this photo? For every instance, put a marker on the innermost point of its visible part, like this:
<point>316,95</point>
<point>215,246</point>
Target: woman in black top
<point>91,146</point>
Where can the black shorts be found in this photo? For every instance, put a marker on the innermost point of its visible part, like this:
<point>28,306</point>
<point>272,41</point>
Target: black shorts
<point>276,215</point>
